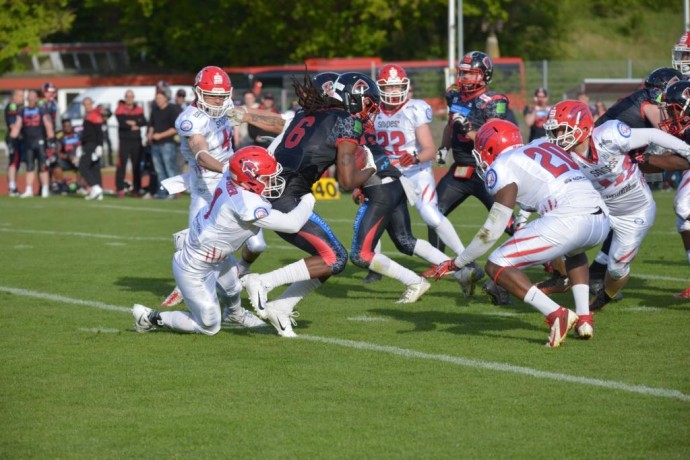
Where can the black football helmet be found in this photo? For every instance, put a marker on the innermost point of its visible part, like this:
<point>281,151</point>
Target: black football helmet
<point>358,93</point>
<point>474,72</point>
<point>662,77</point>
<point>324,82</point>
<point>677,108</point>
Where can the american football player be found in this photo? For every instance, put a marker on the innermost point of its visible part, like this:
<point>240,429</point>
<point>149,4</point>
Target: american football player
<point>403,130</point>
<point>206,144</point>
<point>323,133</point>
<point>541,178</point>
<point>677,106</point>
<point>680,54</point>
<point>602,154</point>
<point>205,268</point>
<point>470,105</point>
<point>14,145</point>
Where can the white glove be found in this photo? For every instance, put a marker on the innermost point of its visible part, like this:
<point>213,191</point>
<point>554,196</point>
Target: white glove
<point>441,155</point>
<point>370,163</point>
<point>236,114</point>
<point>97,154</point>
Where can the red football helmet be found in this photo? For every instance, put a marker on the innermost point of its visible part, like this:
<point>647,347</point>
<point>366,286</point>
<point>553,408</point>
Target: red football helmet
<point>493,138</point>
<point>254,169</point>
<point>474,73</point>
<point>212,81</point>
<point>569,123</point>
<point>393,84</point>
<point>680,56</point>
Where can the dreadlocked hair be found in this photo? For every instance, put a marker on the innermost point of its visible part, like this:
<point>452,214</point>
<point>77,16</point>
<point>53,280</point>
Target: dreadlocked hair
<point>309,97</point>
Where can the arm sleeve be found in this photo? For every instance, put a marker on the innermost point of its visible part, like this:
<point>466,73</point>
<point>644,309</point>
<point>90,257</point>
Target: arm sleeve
<point>289,222</point>
<point>490,232</point>
<point>641,137</point>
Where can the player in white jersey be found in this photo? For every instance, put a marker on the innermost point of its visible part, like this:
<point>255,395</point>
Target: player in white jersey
<point>403,130</point>
<point>602,155</point>
<point>206,144</point>
<point>205,268</point>
<point>539,177</point>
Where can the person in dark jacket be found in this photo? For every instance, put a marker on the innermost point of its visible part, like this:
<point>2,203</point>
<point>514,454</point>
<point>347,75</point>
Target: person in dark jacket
<point>130,119</point>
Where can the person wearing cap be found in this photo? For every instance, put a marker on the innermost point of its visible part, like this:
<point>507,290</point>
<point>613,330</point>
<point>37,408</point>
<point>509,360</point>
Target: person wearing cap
<point>181,99</point>
<point>536,114</point>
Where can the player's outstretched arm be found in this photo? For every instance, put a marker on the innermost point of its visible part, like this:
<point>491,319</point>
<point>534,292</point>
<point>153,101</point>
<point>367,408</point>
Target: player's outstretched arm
<point>289,222</point>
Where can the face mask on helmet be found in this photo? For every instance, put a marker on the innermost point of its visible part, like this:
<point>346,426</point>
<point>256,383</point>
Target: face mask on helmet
<point>493,138</point>
<point>393,85</point>
<point>474,73</point>
<point>253,168</point>
<point>213,91</point>
<point>569,123</point>
<point>358,93</point>
<point>676,113</point>
<point>680,55</point>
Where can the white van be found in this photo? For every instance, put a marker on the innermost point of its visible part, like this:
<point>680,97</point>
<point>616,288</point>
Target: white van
<point>110,96</point>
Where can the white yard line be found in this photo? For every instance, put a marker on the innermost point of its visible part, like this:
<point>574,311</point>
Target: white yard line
<point>455,360</point>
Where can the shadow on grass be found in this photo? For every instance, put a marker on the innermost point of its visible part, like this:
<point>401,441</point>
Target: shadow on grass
<point>160,287</point>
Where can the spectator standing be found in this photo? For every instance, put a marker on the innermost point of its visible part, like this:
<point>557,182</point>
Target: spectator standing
<point>181,99</point>
<point>14,146</point>
<point>537,113</point>
<point>161,137</point>
<point>261,136</point>
<point>130,120</point>
<point>242,138</point>
<point>107,144</point>
<point>37,131</point>
<point>92,149</point>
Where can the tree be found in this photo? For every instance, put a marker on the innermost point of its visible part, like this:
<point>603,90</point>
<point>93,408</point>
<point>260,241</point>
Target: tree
<point>23,25</point>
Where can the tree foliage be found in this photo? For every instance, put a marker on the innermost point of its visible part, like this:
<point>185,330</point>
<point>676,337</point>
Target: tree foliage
<point>25,23</point>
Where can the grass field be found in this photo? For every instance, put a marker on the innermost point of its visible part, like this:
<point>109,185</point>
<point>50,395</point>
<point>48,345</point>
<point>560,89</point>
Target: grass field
<point>446,377</point>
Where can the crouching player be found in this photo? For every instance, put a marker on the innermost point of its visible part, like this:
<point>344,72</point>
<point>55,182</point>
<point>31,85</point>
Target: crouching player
<point>205,269</point>
<point>542,178</point>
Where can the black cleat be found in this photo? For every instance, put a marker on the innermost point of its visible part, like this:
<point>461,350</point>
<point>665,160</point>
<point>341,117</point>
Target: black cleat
<point>372,277</point>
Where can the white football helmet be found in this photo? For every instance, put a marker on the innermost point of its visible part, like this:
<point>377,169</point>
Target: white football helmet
<point>212,81</point>
<point>393,84</point>
<point>680,56</point>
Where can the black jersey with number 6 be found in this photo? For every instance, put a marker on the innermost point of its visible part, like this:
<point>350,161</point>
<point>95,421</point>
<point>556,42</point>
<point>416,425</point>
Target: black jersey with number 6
<point>309,146</point>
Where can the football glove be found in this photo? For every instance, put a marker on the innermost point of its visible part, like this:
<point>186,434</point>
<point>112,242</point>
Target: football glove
<point>236,114</point>
<point>408,159</point>
<point>358,196</point>
<point>441,155</point>
<point>370,163</point>
<point>463,123</point>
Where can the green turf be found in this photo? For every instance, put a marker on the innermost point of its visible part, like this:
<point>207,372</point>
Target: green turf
<point>368,378</point>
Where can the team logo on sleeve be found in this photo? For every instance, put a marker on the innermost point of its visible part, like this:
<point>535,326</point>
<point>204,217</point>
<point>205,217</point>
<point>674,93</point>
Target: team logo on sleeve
<point>623,129</point>
<point>186,125</point>
<point>490,179</point>
<point>260,213</point>
<point>428,113</point>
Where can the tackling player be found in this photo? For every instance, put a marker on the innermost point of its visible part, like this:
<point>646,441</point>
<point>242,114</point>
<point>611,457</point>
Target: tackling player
<point>205,268</point>
<point>541,178</point>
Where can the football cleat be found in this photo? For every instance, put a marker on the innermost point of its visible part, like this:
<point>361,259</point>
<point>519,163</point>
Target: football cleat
<point>257,293</point>
<point>372,277</point>
<point>282,319</point>
<point>600,301</point>
<point>557,284</point>
<point>28,193</point>
<point>146,319</point>
<point>584,328</point>
<point>467,278</point>
<point>431,271</point>
<point>497,294</point>
<point>414,291</point>
<point>174,298</point>
<point>683,295</point>
<point>241,316</point>
<point>560,322</point>
<point>14,192</point>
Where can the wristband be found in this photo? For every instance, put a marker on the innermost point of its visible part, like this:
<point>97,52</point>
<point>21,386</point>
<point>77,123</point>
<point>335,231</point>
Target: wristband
<point>196,157</point>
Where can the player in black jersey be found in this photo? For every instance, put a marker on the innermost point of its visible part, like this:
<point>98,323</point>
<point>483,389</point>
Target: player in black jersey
<point>36,129</point>
<point>323,133</point>
<point>384,208</point>
<point>14,146</point>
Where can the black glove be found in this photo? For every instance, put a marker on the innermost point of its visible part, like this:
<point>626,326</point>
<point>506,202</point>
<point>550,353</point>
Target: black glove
<point>463,123</point>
